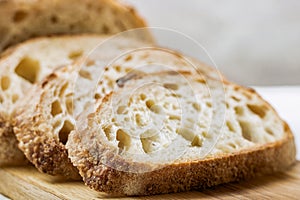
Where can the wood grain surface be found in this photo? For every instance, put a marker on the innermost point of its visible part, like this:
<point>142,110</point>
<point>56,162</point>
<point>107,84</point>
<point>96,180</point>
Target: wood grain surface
<point>28,183</point>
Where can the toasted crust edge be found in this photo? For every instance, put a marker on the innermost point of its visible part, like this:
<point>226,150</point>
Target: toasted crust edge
<point>136,20</point>
<point>10,154</point>
<point>273,157</point>
<point>259,160</point>
<point>47,154</point>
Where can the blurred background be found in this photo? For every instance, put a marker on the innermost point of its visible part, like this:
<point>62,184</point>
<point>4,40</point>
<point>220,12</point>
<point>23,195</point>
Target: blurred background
<point>252,42</point>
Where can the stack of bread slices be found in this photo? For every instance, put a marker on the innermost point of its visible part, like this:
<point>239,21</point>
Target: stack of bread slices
<point>121,113</point>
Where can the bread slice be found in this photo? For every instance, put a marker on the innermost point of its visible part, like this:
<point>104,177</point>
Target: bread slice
<point>25,65</point>
<point>173,132</point>
<point>21,20</point>
<point>46,117</point>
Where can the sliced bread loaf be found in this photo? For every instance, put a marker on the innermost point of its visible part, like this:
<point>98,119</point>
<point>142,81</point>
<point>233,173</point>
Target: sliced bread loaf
<point>25,65</point>
<point>172,132</point>
<point>23,19</point>
<point>44,120</point>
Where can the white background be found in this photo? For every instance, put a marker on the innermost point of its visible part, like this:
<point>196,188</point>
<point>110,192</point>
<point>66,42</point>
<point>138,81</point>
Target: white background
<point>252,42</point>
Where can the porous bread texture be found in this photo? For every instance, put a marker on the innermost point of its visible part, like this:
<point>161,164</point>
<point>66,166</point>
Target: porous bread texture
<point>127,146</point>
<point>24,19</point>
<point>41,120</point>
<point>25,65</point>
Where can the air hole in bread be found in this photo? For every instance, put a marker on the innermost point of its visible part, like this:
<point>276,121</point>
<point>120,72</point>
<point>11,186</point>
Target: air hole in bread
<point>269,131</point>
<point>55,108</point>
<point>166,105</point>
<point>248,95</point>
<point>246,130</point>
<point>143,97</point>
<point>259,110</point>
<point>19,16</point>
<point>65,131</point>
<point>205,134</point>
<point>208,104</point>
<point>28,69</point>
<point>5,83</point>
<point>63,89</point>
<point>232,145</point>
<point>139,120</point>
<point>108,130</point>
<point>189,135</point>
<point>14,98</point>
<point>171,86</point>
<point>154,108</point>
<point>110,83</point>
<point>174,117</point>
<point>128,70</point>
<point>197,142</point>
<point>197,107</point>
<point>57,124</point>
<point>150,144</point>
<point>150,103</point>
<point>90,63</point>
<point>230,126</point>
<point>227,105</point>
<point>85,74</point>
<point>176,95</point>
<point>236,99</point>
<point>239,110</point>
<point>97,96</point>
<point>75,54</point>
<point>121,110</point>
<point>69,105</point>
<point>117,68</point>
<point>128,58</point>
<point>1,99</point>
<point>201,81</point>
<point>124,139</point>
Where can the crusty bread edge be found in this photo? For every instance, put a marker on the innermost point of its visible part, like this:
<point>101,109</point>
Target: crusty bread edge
<point>136,19</point>
<point>274,157</point>
<point>10,152</point>
<point>47,154</point>
<point>9,51</point>
<point>245,164</point>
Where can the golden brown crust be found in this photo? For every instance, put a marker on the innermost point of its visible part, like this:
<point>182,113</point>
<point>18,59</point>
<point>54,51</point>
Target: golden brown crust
<point>10,154</point>
<point>40,145</point>
<point>9,151</point>
<point>178,177</point>
<point>19,21</point>
<point>265,159</point>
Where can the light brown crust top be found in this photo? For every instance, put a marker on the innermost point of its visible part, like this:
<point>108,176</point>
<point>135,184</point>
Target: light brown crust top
<point>21,20</point>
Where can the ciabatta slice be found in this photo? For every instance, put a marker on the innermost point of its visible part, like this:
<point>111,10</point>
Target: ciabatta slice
<point>24,66</point>
<point>168,132</point>
<point>44,120</point>
<point>21,20</point>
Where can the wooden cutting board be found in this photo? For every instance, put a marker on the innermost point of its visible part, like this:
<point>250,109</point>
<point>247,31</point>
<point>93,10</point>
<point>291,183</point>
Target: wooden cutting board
<point>28,183</point>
